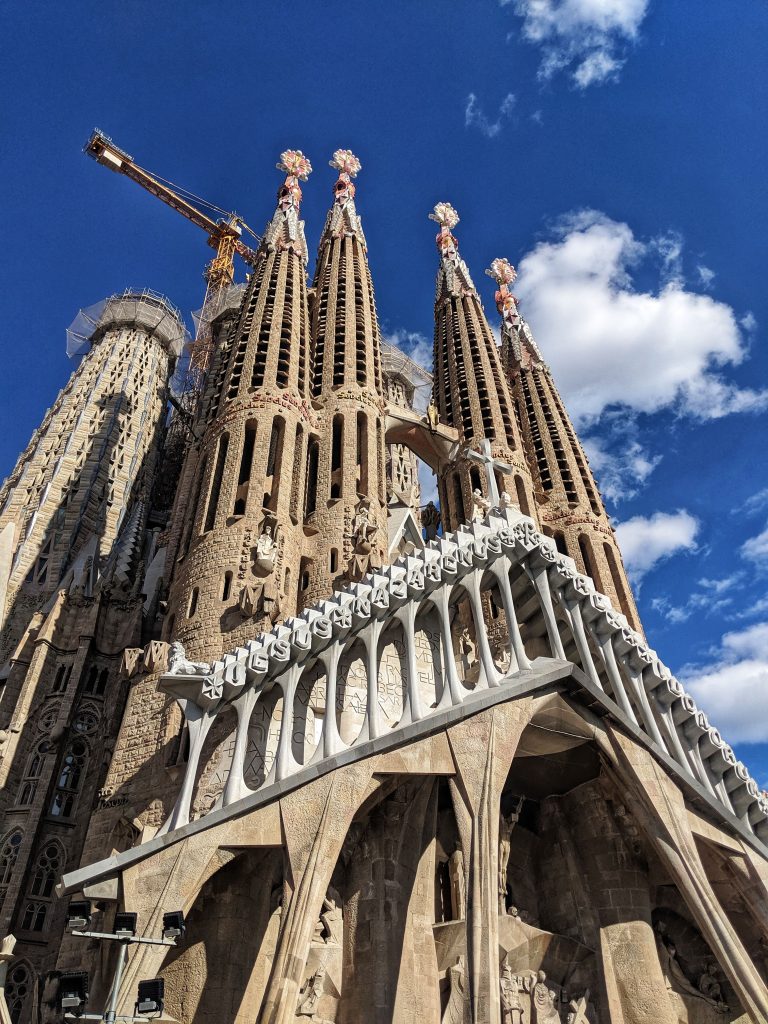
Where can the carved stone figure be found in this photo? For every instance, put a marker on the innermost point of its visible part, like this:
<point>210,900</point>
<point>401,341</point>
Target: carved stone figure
<point>468,649</point>
<point>363,534</point>
<point>332,918</point>
<point>179,665</point>
<point>507,503</point>
<point>505,836</point>
<point>311,993</point>
<point>543,1002</point>
<point>709,986</point>
<point>6,955</point>
<point>511,1007</point>
<point>266,551</point>
<point>430,520</point>
<point>433,417</point>
<point>480,506</point>
<point>577,1010</point>
<point>457,994</point>
<point>457,880</point>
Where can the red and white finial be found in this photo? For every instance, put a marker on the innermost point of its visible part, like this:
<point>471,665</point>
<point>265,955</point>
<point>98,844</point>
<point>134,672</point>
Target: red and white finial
<point>296,167</point>
<point>503,273</point>
<point>348,166</point>
<point>445,215</point>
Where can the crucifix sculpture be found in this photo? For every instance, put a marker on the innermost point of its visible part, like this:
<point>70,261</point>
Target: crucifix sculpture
<point>486,460</point>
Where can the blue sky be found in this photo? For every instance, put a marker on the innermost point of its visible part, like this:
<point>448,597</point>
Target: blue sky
<point>614,151</point>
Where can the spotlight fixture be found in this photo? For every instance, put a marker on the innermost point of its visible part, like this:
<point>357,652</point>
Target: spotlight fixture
<point>78,915</point>
<point>151,997</point>
<point>73,992</point>
<point>173,924</point>
<point>125,925</point>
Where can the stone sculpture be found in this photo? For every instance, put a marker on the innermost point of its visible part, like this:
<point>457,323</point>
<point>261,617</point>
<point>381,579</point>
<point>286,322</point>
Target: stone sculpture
<point>468,650</point>
<point>266,551</point>
<point>480,506</point>
<point>458,884</point>
<point>433,417</point>
<point>179,665</point>
<point>511,1007</point>
<point>311,993</point>
<point>363,534</point>
<point>506,825</point>
<point>430,520</point>
<point>543,1002</point>
<point>457,994</point>
<point>6,955</point>
<point>577,1010</point>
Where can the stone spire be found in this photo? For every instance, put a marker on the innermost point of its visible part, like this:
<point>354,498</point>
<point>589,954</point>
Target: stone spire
<point>571,509</point>
<point>470,389</point>
<point>347,467</point>
<point>239,509</point>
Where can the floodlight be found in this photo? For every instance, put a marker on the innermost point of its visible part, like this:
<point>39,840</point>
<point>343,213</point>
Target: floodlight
<point>78,915</point>
<point>151,996</point>
<point>73,992</point>
<point>173,924</point>
<point>125,924</point>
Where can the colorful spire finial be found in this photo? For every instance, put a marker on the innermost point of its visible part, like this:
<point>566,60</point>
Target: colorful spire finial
<point>348,166</point>
<point>296,167</point>
<point>445,215</point>
<point>502,271</point>
<point>345,161</point>
<point>447,218</point>
<point>294,164</point>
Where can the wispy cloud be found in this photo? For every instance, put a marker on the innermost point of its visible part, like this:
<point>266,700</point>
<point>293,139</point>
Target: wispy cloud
<point>756,549</point>
<point>706,275</point>
<point>731,687</point>
<point>707,598</point>
<point>475,116</point>
<point>620,461</point>
<point>647,540</point>
<point>588,39</point>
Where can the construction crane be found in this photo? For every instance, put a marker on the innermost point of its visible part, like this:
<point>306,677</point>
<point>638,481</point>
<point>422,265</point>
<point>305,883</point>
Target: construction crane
<point>224,235</point>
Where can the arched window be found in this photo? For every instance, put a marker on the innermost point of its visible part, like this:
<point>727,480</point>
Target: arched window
<point>522,497</point>
<point>18,985</point>
<point>44,876</point>
<point>32,774</point>
<point>70,777</point>
<point>9,852</point>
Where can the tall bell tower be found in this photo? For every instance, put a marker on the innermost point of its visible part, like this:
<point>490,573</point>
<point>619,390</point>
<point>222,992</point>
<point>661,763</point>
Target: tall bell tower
<point>237,566</point>
<point>471,391</point>
<point>571,509</point>
<point>346,500</point>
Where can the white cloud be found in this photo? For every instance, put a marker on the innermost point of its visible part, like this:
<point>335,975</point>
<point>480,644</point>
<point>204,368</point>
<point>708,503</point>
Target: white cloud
<point>623,471</point>
<point>756,549</point>
<point>706,275</point>
<point>588,37</point>
<point>732,688</point>
<point>610,344</point>
<point>711,597</point>
<point>415,345</point>
<point>755,502</point>
<point>646,541</point>
<point>475,116</point>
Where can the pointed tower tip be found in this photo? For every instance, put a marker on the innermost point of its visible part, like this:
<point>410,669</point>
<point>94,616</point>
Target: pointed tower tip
<point>504,274</point>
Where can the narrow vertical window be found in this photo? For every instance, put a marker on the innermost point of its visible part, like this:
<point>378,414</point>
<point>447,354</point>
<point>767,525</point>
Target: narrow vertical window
<point>362,453</point>
<point>618,582</point>
<point>337,444</point>
<point>218,476</point>
<point>244,475</point>
<point>274,462</point>
<point>522,497</point>
<point>193,599</point>
<point>69,779</point>
<point>226,590</point>
<point>313,454</point>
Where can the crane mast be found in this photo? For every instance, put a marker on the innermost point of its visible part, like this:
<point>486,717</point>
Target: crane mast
<point>224,235</point>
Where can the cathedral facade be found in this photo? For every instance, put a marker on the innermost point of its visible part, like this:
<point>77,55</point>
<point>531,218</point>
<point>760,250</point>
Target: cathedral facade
<point>394,762</point>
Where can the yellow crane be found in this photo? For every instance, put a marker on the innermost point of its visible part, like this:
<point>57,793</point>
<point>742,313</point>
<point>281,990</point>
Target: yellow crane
<point>224,235</point>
